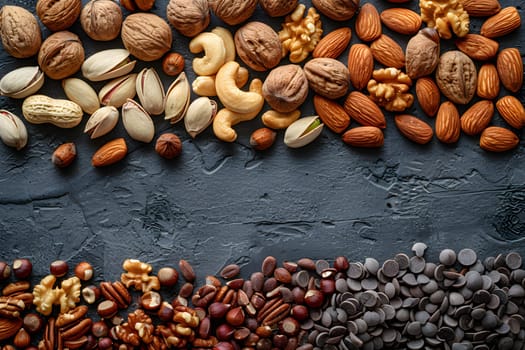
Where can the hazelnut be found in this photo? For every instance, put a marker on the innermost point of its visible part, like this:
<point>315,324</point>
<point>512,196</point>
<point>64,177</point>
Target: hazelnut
<point>59,268</point>
<point>22,268</point>
<point>327,286</point>
<point>298,295</point>
<point>168,276</point>
<point>235,316</point>
<point>91,294</point>
<point>280,341</point>
<point>186,290</point>
<point>290,326</point>
<point>165,312</point>
<point>262,138</point>
<point>64,155</point>
<point>173,64</point>
<point>150,301</point>
<point>224,332</point>
<point>107,309</point>
<point>5,271</point>
<point>99,329</point>
<point>314,298</point>
<point>33,323</point>
<point>264,331</point>
<point>22,339</point>
<point>299,312</point>
<point>218,309</point>
<point>168,145</point>
<point>105,343</point>
<point>84,271</point>
<point>341,263</point>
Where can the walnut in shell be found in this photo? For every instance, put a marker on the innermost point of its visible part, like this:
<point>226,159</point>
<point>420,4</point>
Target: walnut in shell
<point>258,46</point>
<point>328,77</point>
<point>20,32</point>
<point>422,53</point>
<point>278,8</point>
<point>233,12</point>
<point>101,19</point>
<point>189,17</point>
<point>338,10</point>
<point>61,55</point>
<point>285,88</point>
<point>58,14</point>
<point>456,76</point>
<point>146,36</point>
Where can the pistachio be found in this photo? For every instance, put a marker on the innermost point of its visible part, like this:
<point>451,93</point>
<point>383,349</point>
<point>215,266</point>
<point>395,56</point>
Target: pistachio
<point>12,130</point>
<point>107,64</point>
<point>200,115</point>
<point>177,99</point>
<point>303,131</point>
<point>137,122</point>
<point>102,121</point>
<point>150,91</point>
<point>80,92</point>
<point>117,91</point>
<point>22,82</point>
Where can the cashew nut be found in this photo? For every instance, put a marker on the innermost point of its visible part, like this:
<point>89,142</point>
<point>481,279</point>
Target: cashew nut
<point>226,118</point>
<point>204,85</point>
<point>229,44</point>
<point>278,120</point>
<point>231,96</point>
<point>214,53</point>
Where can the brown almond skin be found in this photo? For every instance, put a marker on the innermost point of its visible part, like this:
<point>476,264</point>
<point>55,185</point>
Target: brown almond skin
<point>401,20</point>
<point>484,8</point>
<point>498,139</point>
<point>64,155</point>
<point>511,109</point>
<point>388,52</point>
<point>448,127</point>
<point>475,119</point>
<point>110,153</point>
<point>488,82</point>
<point>510,69</point>
<point>478,47</point>
<point>364,136</point>
<point>504,22</point>
<point>414,128</point>
<point>332,114</point>
<point>428,95</point>
<point>368,23</point>
<point>333,44</point>
<point>363,110</point>
<point>360,65</point>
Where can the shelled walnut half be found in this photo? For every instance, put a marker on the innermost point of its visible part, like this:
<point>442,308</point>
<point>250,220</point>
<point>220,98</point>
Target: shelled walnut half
<point>389,89</point>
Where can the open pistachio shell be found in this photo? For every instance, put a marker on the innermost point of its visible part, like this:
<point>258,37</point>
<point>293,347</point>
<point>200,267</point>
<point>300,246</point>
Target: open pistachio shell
<point>303,131</point>
<point>22,82</point>
<point>150,91</point>
<point>200,115</point>
<point>12,130</point>
<point>177,99</point>
<point>118,91</point>
<point>137,122</point>
<point>77,90</point>
<point>102,121</point>
<point>107,64</point>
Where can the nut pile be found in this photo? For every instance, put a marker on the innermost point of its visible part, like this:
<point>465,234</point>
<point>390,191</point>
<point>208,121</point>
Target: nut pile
<point>456,302</point>
<point>379,73</point>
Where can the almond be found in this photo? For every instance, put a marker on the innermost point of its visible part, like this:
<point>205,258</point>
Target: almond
<point>428,95</point>
<point>498,139</point>
<point>388,52</point>
<point>478,47</point>
<point>447,125</point>
<point>488,82</point>
<point>333,44</point>
<point>9,327</point>
<point>512,110</point>
<point>364,136</point>
<point>401,20</point>
<point>110,153</point>
<point>475,119</point>
<point>481,8</point>
<point>332,114</point>
<point>502,23</point>
<point>64,154</point>
<point>360,65</point>
<point>510,69</point>
<point>363,110</point>
<point>414,128</point>
<point>368,23</point>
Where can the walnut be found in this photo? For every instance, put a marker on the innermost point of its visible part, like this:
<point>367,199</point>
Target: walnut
<point>445,15</point>
<point>422,53</point>
<point>299,35</point>
<point>45,296</point>
<point>285,88</point>
<point>101,19</point>
<point>146,36</point>
<point>233,12</point>
<point>258,46</point>
<point>328,77</point>
<point>137,275</point>
<point>58,15</point>
<point>61,55</point>
<point>70,295</point>
<point>389,89</point>
<point>138,329</point>
<point>189,17</point>
<point>278,8</point>
<point>456,76</point>
<point>338,10</point>
<point>20,32</point>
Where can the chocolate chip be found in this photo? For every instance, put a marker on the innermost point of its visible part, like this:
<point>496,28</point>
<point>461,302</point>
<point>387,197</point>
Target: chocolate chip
<point>513,260</point>
<point>467,257</point>
<point>447,257</point>
<point>390,268</point>
<point>419,248</point>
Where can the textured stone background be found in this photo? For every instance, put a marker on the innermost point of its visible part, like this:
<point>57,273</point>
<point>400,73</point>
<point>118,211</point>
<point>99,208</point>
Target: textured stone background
<point>221,203</point>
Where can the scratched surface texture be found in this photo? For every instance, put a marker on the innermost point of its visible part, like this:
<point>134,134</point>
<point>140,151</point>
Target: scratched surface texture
<point>221,203</point>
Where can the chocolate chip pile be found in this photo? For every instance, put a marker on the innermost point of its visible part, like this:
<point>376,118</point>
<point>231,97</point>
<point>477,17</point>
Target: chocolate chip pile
<point>406,302</point>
